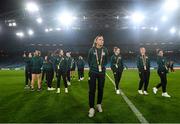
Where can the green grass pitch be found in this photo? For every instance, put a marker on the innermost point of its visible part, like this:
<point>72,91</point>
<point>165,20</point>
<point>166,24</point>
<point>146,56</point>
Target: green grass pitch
<point>19,105</point>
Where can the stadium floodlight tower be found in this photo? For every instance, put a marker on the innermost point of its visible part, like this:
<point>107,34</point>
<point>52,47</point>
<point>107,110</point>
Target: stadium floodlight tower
<point>20,34</point>
<point>164,18</point>
<point>156,29</point>
<point>30,32</point>
<point>172,30</point>
<point>170,5</point>
<point>137,17</point>
<point>39,20</point>
<point>32,7</point>
<point>66,18</point>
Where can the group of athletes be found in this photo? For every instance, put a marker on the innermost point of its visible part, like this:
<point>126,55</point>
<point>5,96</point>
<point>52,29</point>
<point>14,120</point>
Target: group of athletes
<point>63,66</point>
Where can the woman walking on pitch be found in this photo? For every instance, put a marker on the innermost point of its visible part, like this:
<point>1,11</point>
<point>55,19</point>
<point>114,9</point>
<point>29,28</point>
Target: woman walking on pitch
<point>143,65</point>
<point>49,72</point>
<point>162,72</point>
<point>70,62</point>
<point>97,60</point>
<point>28,69</point>
<point>117,67</point>
<point>37,63</point>
<point>80,66</point>
<point>61,70</point>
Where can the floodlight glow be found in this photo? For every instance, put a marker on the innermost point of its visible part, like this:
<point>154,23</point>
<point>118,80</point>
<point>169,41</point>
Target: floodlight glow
<point>32,7</point>
<point>172,30</point>
<point>14,24</point>
<point>46,30</point>
<point>137,17</point>
<point>50,29</point>
<point>39,20</point>
<point>143,28</point>
<point>10,24</point>
<point>154,28</point>
<point>30,32</point>
<point>58,29</point>
<point>164,18</point>
<point>20,34</point>
<point>170,5</point>
<point>66,18</point>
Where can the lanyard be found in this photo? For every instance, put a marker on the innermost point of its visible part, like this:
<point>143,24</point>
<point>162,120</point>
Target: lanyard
<point>144,60</point>
<point>60,62</point>
<point>72,61</point>
<point>117,61</point>
<point>97,58</point>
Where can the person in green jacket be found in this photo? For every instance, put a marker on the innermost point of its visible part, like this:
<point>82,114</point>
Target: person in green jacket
<point>37,63</point>
<point>143,65</point>
<point>97,60</point>
<point>80,66</point>
<point>117,67</point>
<point>69,66</point>
<point>61,70</point>
<point>162,72</point>
<point>49,72</point>
<point>28,68</point>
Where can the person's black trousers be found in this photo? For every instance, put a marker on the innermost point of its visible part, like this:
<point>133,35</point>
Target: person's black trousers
<point>43,75</point>
<point>172,69</point>
<point>92,88</point>
<point>28,76</point>
<point>80,73</point>
<point>69,75</point>
<point>49,77</point>
<point>163,82</point>
<point>63,75</point>
<point>117,77</point>
<point>144,79</point>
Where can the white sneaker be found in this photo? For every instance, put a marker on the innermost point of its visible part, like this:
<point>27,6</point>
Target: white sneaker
<point>146,93</point>
<point>155,90</point>
<point>166,95</point>
<point>82,78</point>
<point>79,79</point>
<point>99,108</point>
<point>117,92</point>
<point>66,90</point>
<point>27,87</point>
<point>140,92</point>
<point>91,112</point>
<point>68,83</point>
<point>53,88</point>
<point>58,90</point>
<point>49,89</point>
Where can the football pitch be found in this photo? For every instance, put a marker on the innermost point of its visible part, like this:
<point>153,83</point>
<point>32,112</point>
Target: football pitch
<point>19,105</point>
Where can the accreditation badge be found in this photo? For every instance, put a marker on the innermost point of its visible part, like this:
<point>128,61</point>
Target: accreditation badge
<point>99,68</point>
<point>116,65</point>
<point>145,68</point>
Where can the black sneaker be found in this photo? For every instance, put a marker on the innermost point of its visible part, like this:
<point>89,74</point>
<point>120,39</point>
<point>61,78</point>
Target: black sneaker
<point>32,89</point>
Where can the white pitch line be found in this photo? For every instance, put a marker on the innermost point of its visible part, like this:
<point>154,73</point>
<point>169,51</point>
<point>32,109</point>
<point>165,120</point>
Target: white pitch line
<point>137,113</point>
